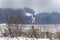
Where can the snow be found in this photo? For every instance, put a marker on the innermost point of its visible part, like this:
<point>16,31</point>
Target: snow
<point>21,38</point>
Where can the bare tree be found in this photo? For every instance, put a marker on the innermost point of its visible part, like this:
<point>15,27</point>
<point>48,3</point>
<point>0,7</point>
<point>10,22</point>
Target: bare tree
<point>13,20</point>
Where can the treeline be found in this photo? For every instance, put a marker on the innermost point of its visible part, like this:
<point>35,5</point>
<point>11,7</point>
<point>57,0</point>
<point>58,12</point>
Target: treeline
<point>8,12</point>
<point>40,18</point>
<point>48,18</point>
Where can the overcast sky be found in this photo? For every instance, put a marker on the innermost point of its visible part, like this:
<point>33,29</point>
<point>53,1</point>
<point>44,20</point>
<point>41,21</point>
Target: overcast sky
<point>37,5</point>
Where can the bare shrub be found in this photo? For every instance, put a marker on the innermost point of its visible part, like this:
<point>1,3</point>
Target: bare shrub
<point>36,33</point>
<point>58,35</point>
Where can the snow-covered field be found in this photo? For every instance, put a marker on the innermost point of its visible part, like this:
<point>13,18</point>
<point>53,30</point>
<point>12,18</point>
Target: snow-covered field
<point>45,27</point>
<point>21,38</point>
<point>51,28</point>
